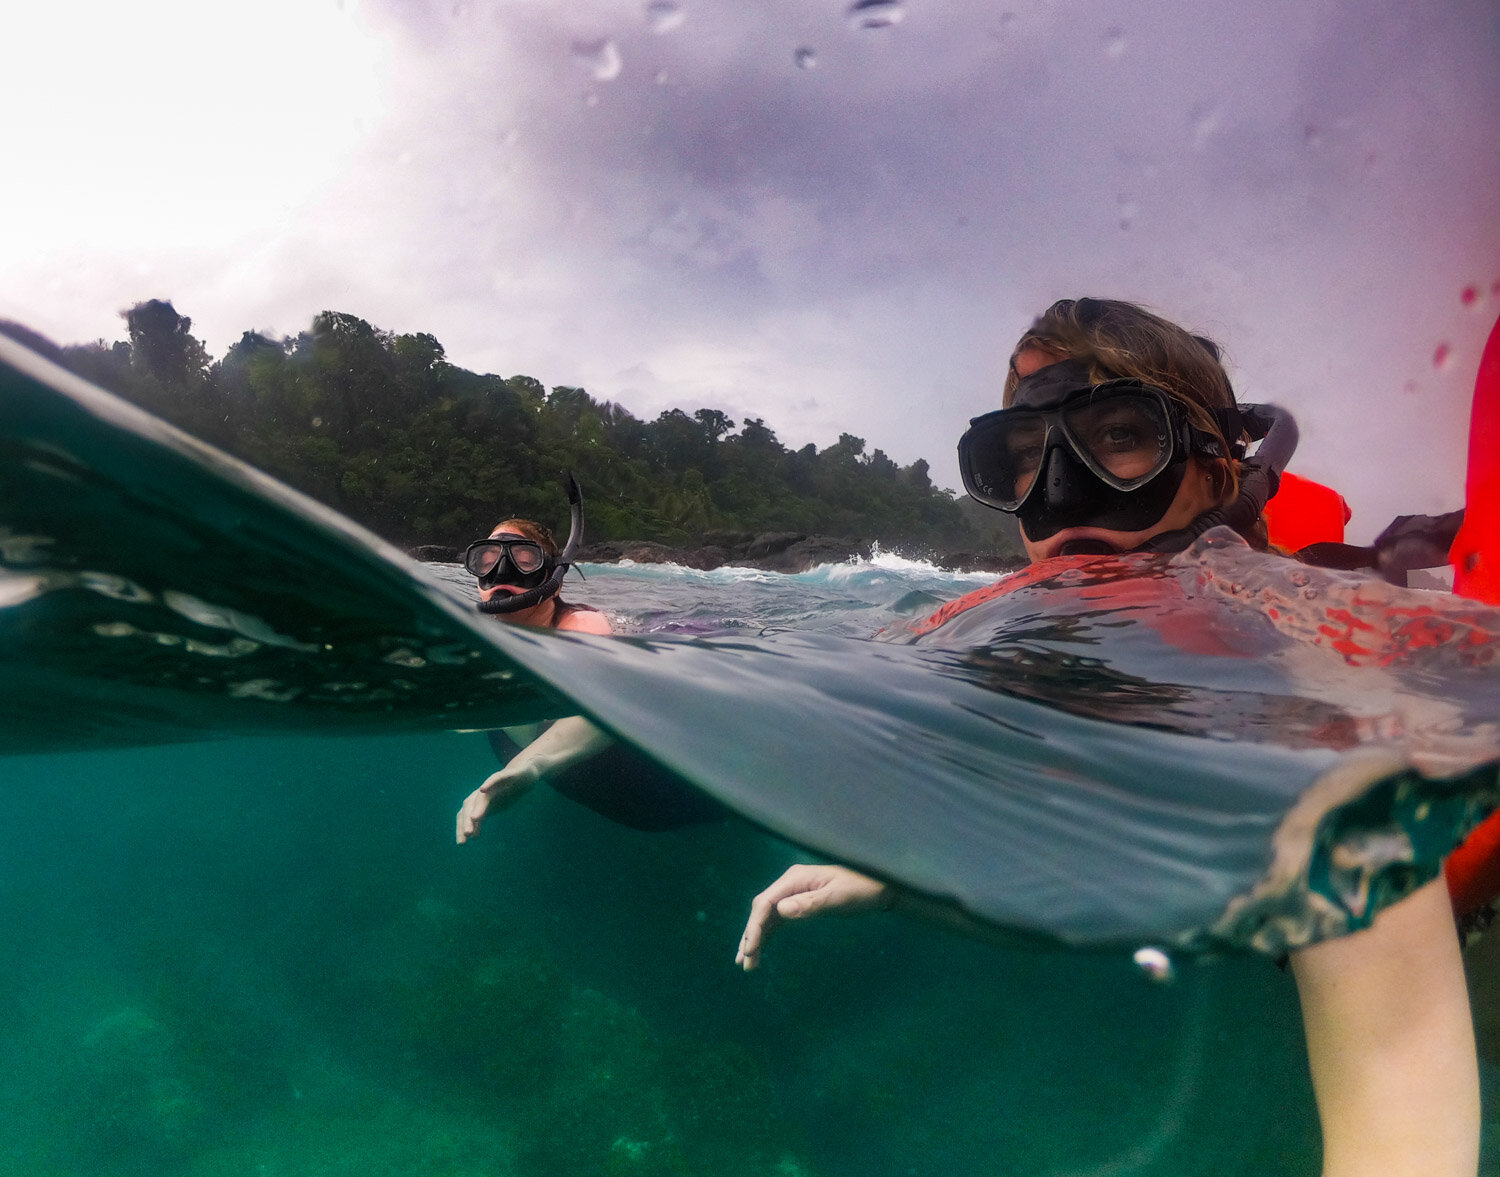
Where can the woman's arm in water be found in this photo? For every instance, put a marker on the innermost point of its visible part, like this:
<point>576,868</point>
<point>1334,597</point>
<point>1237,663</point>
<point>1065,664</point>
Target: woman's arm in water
<point>1390,1039</point>
<point>565,743</point>
<point>807,890</point>
<point>803,891</point>
<point>1391,1045</point>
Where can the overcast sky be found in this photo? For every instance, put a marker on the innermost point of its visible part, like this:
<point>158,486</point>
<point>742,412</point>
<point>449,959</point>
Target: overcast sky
<point>837,221</point>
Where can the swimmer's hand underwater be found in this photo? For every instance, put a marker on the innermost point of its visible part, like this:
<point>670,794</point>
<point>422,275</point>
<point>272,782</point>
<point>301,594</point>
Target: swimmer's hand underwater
<point>808,890</point>
<point>565,743</point>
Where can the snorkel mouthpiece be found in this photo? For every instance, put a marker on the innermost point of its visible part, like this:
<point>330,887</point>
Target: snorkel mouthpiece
<point>516,602</point>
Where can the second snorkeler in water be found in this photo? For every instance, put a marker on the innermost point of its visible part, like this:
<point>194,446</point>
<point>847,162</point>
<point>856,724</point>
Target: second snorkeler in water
<point>520,570</point>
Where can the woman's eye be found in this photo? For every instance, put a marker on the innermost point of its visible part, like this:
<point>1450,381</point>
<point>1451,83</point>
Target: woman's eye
<point>1025,457</point>
<point>1121,436</point>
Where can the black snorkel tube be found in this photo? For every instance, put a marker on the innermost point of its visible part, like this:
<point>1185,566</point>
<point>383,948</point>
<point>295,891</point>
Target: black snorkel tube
<point>1276,430</point>
<point>515,602</point>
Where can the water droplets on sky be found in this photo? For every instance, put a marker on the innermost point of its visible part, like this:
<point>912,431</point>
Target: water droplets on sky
<point>876,14</point>
<point>600,57</point>
<point>662,16</point>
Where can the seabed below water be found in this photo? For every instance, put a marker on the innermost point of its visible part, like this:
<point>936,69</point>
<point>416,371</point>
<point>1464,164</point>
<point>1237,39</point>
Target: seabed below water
<point>268,957</point>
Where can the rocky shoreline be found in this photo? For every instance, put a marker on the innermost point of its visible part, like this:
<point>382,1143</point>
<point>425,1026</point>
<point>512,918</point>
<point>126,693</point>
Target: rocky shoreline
<point>777,551</point>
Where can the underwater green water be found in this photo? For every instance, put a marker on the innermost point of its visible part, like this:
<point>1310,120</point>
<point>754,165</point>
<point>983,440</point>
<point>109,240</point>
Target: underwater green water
<point>267,957</point>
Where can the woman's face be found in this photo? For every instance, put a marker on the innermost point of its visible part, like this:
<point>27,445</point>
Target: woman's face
<point>1195,495</point>
<point>532,616</point>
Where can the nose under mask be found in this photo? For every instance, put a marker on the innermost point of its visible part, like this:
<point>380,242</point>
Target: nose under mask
<point>506,573</point>
<point>1071,495</point>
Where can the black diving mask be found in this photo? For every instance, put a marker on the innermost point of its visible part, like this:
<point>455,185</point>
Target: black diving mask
<point>507,559</point>
<point>1070,452</point>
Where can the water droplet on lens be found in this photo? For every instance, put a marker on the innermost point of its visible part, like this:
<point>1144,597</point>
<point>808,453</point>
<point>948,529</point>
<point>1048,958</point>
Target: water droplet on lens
<point>1156,964</point>
<point>1441,356</point>
<point>1204,123</point>
<point>806,58</point>
<point>876,14</point>
<point>662,16</point>
<point>600,58</point>
<point>1115,43</point>
<point>1469,296</point>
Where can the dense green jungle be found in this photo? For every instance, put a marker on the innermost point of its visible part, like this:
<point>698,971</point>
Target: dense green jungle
<point>385,430</point>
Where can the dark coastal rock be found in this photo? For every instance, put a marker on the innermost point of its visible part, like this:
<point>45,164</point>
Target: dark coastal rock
<point>648,552</point>
<point>776,551</point>
<point>788,551</point>
<point>773,543</point>
<point>436,554</point>
<point>980,561</point>
<point>808,552</point>
<point>730,541</point>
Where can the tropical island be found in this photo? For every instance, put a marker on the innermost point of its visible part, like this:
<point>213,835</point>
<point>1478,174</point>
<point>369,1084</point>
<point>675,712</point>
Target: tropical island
<point>428,455</point>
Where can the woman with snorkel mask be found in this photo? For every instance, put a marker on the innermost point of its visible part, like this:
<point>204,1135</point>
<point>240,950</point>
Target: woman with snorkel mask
<point>1120,433</point>
<point>520,570</point>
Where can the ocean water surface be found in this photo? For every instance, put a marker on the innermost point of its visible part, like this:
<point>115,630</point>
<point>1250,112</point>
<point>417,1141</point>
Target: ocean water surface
<point>267,956</point>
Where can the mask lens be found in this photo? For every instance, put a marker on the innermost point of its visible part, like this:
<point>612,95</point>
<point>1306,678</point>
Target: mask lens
<point>527,557</point>
<point>1126,439</point>
<point>1024,443</point>
<point>1000,457</point>
<point>482,557</point>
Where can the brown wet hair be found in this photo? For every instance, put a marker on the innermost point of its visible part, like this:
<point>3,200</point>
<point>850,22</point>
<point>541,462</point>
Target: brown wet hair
<point>532,531</point>
<point>1120,339</point>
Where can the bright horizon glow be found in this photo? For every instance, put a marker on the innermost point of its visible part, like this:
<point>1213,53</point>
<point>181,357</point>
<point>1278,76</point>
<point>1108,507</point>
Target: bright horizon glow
<point>176,125</point>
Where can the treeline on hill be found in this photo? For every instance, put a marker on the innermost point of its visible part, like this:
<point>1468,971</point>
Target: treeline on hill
<point>382,428</point>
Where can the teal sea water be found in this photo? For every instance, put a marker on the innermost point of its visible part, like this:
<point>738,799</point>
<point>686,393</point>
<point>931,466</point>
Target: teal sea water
<point>266,956</point>
<point>239,937</point>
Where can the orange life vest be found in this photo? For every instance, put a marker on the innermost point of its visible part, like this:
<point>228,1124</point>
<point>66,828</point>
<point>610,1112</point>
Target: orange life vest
<point>1474,868</point>
<point>1304,512</point>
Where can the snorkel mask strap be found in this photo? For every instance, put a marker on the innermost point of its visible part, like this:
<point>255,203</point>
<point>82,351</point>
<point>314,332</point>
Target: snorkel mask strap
<point>515,602</point>
<point>1276,430</point>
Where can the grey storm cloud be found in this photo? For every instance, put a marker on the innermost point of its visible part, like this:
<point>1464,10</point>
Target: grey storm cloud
<point>768,209</point>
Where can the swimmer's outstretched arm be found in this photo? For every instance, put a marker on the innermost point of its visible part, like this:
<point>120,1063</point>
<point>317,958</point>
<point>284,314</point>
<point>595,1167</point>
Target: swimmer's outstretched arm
<point>1390,1039</point>
<point>808,890</point>
<point>1391,1045</point>
<point>565,743</point>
